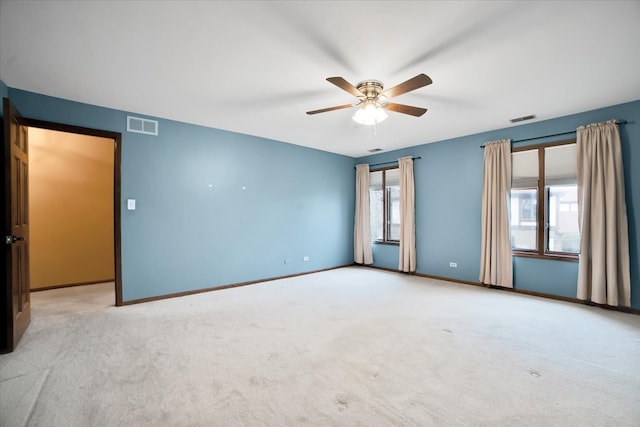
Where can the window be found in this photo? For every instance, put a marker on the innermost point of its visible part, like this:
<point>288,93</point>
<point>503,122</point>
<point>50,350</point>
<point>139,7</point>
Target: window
<point>384,205</point>
<point>544,201</point>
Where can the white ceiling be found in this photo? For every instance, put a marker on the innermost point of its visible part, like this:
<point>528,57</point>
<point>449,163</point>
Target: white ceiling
<point>257,67</point>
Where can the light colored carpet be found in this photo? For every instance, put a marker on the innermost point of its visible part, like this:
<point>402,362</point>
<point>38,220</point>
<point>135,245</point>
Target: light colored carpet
<point>347,347</point>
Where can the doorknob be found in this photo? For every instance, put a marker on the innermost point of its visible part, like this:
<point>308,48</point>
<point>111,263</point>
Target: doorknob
<point>12,239</point>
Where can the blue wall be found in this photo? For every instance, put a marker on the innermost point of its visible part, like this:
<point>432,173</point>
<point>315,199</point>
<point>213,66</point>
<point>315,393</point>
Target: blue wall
<point>448,200</point>
<point>299,202</point>
<point>268,202</point>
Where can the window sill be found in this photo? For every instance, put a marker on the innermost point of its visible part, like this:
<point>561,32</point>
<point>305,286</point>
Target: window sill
<point>553,257</point>
<point>381,242</point>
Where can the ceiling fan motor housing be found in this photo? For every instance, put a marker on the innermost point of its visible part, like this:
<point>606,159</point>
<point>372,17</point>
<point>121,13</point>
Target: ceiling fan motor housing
<point>370,88</point>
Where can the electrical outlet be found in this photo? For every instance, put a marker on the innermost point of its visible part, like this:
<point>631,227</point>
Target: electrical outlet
<point>286,261</point>
<point>305,258</point>
<point>453,264</point>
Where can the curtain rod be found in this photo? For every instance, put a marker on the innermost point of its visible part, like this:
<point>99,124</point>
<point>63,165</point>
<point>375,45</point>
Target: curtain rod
<point>391,162</point>
<point>620,122</point>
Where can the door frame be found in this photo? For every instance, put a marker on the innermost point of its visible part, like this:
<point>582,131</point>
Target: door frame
<point>117,154</point>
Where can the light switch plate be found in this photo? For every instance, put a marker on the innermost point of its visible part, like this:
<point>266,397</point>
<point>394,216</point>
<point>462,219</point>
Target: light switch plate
<point>131,204</point>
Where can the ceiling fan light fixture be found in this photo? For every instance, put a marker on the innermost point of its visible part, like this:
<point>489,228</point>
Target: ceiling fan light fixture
<point>369,113</point>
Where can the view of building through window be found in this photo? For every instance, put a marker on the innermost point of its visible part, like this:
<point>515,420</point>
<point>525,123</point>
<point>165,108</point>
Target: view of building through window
<point>384,205</point>
<point>563,233</point>
<point>554,224</point>
<point>524,218</point>
<point>376,205</point>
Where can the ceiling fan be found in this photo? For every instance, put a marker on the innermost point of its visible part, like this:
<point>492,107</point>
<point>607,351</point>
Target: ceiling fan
<point>373,99</point>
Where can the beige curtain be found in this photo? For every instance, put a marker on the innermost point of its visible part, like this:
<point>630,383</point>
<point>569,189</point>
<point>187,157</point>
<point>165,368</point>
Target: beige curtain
<point>603,274</point>
<point>496,265</point>
<point>362,229</point>
<point>407,261</point>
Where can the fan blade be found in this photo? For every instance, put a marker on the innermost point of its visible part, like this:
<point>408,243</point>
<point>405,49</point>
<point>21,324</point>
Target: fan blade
<point>405,109</point>
<point>345,85</point>
<point>324,110</point>
<point>417,82</point>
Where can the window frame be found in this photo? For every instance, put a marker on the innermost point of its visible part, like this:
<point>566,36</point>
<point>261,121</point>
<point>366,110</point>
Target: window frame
<point>385,209</point>
<point>542,231</point>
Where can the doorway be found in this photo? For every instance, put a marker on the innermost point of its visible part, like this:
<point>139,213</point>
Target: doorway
<point>74,208</point>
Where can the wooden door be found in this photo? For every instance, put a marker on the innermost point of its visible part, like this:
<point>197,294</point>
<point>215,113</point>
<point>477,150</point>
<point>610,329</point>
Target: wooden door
<point>17,307</point>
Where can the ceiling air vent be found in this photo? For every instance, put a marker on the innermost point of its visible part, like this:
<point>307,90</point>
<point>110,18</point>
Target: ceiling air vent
<point>139,125</point>
<point>375,150</point>
<point>523,118</point>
